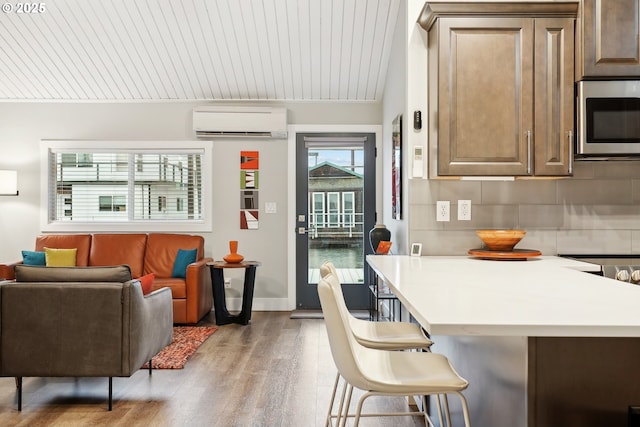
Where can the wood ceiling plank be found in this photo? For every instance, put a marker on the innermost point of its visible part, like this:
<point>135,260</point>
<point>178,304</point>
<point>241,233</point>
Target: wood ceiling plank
<point>363,59</point>
<point>274,49</point>
<point>266,57</point>
<point>255,79</point>
<point>198,49</point>
<point>212,56</point>
<point>190,46</point>
<point>23,58</point>
<point>346,52</point>
<point>47,49</point>
<point>283,34</point>
<point>121,52</point>
<point>336,39</point>
<point>236,54</point>
<point>223,36</point>
<point>305,50</point>
<point>141,51</point>
<point>296,29</point>
<point>315,48</point>
<point>326,58</point>
<point>375,91</point>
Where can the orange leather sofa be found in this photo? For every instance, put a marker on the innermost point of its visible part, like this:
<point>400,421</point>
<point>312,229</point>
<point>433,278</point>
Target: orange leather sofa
<point>144,254</point>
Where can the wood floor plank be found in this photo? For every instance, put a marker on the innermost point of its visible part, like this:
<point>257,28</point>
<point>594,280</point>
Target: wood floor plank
<point>275,372</point>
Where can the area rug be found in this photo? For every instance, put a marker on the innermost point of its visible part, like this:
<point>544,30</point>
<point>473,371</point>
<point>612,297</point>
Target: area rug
<point>185,342</point>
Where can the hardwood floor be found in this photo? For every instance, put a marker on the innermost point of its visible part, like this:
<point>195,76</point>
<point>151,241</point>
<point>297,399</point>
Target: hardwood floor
<point>276,371</point>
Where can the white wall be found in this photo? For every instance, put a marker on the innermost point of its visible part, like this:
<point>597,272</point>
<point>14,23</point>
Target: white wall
<point>23,125</point>
<point>394,103</point>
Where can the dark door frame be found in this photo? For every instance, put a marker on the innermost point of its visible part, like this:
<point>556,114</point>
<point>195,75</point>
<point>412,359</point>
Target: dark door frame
<point>356,295</point>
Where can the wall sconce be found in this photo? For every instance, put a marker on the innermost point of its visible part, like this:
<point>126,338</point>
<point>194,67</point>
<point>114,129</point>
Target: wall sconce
<point>8,183</point>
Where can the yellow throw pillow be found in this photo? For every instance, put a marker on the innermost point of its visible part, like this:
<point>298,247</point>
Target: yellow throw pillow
<point>60,257</point>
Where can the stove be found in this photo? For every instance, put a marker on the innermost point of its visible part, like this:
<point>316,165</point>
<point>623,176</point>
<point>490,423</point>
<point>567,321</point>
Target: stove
<point>625,268</point>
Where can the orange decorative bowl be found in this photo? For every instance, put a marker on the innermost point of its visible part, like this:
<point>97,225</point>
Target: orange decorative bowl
<point>500,240</point>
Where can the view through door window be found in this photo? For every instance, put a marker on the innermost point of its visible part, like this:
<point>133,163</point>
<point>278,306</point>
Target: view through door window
<point>335,212</point>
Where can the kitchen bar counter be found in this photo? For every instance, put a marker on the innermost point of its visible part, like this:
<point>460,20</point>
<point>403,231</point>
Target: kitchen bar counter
<point>542,342</point>
<point>545,296</point>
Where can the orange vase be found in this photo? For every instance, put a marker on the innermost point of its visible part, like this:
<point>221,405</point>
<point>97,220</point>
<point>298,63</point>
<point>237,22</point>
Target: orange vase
<point>234,256</point>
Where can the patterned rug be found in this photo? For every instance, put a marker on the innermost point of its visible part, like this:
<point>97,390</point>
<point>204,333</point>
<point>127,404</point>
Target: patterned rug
<point>185,342</point>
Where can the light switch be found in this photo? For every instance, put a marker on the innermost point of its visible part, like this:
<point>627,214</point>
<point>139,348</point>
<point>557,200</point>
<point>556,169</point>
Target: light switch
<point>270,207</point>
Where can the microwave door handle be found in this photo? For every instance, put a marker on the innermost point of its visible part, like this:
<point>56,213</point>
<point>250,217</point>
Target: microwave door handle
<point>570,152</point>
<point>529,152</point>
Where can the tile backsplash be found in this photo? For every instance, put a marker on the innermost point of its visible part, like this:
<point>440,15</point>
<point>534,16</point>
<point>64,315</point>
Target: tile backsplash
<point>595,211</point>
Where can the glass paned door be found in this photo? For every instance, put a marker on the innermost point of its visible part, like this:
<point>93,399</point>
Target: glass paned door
<point>336,210</point>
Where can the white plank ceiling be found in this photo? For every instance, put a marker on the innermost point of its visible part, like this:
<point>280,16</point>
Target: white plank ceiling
<point>120,50</point>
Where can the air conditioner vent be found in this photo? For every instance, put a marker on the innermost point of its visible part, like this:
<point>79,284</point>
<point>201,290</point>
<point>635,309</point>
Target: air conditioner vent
<point>235,122</point>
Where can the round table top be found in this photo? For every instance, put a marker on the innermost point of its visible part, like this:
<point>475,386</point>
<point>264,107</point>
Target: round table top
<point>243,264</point>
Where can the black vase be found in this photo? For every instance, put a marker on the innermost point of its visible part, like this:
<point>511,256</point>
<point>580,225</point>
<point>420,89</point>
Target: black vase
<point>379,233</point>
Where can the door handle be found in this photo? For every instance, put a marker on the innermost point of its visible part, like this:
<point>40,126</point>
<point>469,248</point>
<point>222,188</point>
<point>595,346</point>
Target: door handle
<point>529,152</point>
<point>302,230</point>
<point>570,152</point>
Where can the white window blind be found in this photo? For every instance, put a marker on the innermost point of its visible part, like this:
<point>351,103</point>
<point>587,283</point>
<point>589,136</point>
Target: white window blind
<point>125,185</point>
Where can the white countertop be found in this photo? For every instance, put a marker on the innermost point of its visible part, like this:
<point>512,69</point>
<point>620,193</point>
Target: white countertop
<point>544,296</point>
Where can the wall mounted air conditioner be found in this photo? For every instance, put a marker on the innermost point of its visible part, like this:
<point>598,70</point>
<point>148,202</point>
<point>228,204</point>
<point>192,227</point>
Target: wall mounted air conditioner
<point>219,121</point>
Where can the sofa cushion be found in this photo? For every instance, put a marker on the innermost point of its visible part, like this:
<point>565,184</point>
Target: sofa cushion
<point>33,258</point>
<point>32,273</point>
<point>178,286</point>
<point>147,283</point>
<point>119,249</point>
<point>60,257</point>
<point>163,248</point>
<point>184,257</point>
<point>82,242</point>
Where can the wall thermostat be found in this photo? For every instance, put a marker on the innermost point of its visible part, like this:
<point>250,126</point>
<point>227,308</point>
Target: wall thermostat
<point>417,162</point>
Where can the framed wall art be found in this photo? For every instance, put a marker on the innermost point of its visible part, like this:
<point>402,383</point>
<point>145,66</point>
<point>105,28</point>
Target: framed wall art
<point>396,168</point>
<point>249,189</point>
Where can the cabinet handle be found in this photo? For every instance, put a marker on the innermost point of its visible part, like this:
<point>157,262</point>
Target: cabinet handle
<point>570,152</point>
<point>529,152</point>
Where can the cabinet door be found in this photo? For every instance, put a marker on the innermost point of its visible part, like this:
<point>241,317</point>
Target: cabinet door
<point>611,38</point>
<point>485,95</point>
<point>554,106</point>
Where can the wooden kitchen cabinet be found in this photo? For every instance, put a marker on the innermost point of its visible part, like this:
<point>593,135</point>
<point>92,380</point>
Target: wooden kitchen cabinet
<point>500,90</point>
<point>610,38</point>
<point>554,96</point>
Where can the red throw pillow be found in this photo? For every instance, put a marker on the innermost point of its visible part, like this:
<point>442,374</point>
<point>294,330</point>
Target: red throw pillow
<point>147,283</point>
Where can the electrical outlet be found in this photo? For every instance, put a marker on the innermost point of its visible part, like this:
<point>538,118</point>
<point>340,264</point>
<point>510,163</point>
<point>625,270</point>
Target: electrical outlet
<point>464,210</point>
<point>227,283</point>
<point>442,210</point>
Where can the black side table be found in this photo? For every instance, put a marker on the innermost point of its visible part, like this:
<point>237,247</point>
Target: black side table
<point>223,317</point>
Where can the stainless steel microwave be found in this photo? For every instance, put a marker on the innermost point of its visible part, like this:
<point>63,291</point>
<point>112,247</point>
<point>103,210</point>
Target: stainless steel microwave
<point>608,119</point>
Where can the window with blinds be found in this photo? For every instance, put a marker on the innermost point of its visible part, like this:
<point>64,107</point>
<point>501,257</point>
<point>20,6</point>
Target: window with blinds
<point>125,185</point>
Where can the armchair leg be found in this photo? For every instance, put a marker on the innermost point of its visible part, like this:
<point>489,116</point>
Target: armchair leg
<point>19,384</point>
<point>110,393</point>
<point>150,367</point>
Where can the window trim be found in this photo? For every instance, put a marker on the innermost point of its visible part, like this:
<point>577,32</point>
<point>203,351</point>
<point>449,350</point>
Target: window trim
<point>203,225</point>
<point>321,212</point>
<point>331,214</point>
<point>348,218</point>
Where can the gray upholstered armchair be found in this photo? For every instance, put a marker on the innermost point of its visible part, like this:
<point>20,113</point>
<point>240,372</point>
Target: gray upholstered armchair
<point>80,322</point>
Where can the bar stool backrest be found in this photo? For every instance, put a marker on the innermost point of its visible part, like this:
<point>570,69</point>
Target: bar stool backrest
<point>343,345</point>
